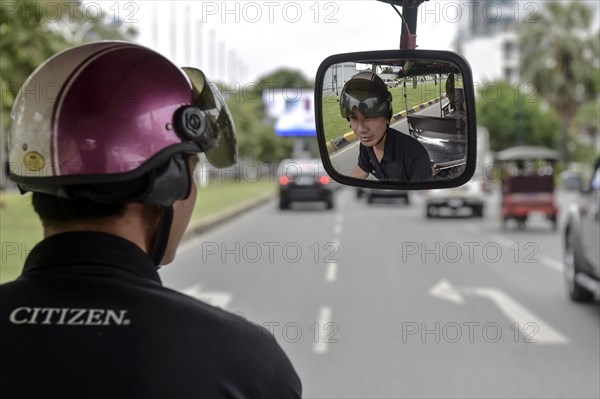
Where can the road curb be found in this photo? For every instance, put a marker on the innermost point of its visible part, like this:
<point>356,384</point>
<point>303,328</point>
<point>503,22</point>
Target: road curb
<point>208,223</point>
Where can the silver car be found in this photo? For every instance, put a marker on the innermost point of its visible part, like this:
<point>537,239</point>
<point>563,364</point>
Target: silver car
<point>581,239</point>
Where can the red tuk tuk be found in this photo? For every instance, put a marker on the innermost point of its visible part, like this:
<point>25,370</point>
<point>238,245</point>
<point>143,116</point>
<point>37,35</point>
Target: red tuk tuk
<point>527,175</point>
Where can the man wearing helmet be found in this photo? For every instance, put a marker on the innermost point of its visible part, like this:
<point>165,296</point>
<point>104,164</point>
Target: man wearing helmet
<point>384,152</point>
<point>109,160</point>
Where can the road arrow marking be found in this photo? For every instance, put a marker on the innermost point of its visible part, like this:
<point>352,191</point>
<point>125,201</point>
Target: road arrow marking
<point>513,310</point>
<point>218,299</point>
<point>444,290</point>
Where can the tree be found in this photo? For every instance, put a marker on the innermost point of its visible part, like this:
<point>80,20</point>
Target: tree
<point>283,79</point>
<point>558,52</point>
<point>514,117</point>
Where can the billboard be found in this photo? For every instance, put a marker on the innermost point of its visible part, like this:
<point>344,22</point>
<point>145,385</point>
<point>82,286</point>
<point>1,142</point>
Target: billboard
<point>293,110</point>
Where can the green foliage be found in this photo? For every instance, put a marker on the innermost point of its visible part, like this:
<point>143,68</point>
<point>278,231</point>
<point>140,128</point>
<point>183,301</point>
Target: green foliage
<point>514,117</point>
<point>582,153</point>
<point>284,78</point>
<point>20,230</point>
<point>559,55</point>
<point>587,119</point>
<point>26,42</point>
<point>558,52</point>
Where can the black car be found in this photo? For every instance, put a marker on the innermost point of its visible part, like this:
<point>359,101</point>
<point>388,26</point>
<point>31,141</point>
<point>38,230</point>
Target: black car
<point>304,180</point>
<point>372,193</point>
<point>582,243</point>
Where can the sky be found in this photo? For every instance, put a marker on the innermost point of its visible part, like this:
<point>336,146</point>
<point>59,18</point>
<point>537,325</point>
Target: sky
<point>240,41</point>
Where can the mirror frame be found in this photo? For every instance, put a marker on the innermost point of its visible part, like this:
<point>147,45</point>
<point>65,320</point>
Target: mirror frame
<point>467,77</point>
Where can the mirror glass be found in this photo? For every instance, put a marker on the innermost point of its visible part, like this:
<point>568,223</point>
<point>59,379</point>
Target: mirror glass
<point>399,120</point>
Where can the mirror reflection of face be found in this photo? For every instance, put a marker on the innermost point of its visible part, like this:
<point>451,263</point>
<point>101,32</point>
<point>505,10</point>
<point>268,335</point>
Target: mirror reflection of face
<point>428,104</point>
<point>369,131</point>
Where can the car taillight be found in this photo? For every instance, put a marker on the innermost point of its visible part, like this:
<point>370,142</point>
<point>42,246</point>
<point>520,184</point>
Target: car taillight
<point>284,180</point>
<point>325,180</point>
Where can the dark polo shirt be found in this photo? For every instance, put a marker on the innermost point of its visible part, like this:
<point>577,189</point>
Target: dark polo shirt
<point>89,318</point>
<point>404,159</point>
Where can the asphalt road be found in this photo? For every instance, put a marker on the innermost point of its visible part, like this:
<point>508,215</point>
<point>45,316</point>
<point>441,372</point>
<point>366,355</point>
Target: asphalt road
<point>379,302</point>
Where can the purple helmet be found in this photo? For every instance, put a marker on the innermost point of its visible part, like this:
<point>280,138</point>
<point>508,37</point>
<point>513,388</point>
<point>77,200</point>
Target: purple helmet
<point>111,121</point>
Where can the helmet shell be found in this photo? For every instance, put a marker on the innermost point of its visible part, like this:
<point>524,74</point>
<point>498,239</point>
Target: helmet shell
<point>369,93</point>
<point>97,113</point>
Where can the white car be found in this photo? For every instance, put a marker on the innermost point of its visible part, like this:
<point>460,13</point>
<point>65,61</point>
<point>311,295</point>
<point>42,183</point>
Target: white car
<point>454,200</point>
<point>390,83</point>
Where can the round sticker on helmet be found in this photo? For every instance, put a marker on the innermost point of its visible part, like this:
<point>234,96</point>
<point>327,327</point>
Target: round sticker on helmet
<point>34,161</point>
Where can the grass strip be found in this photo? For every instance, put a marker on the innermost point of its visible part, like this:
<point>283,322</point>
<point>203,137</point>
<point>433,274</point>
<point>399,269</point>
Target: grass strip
<point>21,230</point>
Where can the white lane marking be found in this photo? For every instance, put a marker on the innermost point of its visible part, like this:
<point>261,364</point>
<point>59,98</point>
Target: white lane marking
<point>339,218</point>
<point>320,347</point>
<point>471,228</point>
<point>505,242</point>
<point>332,267</point>
<point>218,299</point>
<point>331,273</point>
<point>551,263</point>
<point>533,327</point>
<point>337,229</point>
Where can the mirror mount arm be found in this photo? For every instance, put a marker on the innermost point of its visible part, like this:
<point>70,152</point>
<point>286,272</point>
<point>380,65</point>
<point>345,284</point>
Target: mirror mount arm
<point>410,9</point>
<point>408,37</point>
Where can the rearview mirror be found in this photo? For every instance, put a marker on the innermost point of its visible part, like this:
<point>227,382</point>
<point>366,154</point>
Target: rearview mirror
<point>400,119</point>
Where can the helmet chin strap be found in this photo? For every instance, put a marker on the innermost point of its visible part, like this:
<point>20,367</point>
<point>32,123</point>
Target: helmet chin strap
<point>161,240</point>
<point>382,137</point>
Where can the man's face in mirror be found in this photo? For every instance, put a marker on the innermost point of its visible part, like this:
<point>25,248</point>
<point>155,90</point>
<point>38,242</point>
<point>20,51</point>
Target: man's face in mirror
<point>368,130</point>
